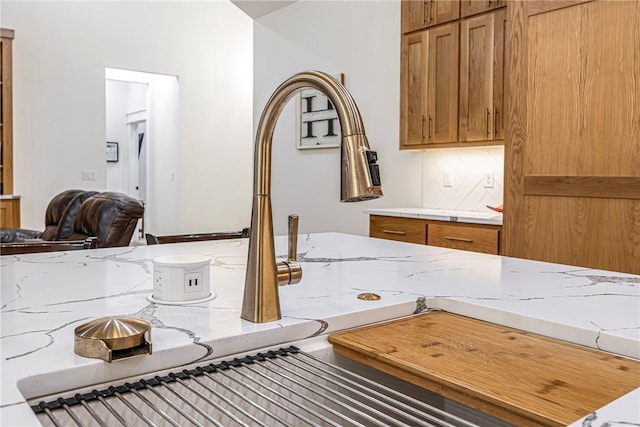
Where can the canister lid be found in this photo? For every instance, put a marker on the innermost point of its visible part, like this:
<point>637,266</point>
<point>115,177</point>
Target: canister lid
<point>99,338</point>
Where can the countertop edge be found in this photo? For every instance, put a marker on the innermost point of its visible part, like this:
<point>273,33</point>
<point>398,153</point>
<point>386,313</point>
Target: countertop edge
<point>440,215</point>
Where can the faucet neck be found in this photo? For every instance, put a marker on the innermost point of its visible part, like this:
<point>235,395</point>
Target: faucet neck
<point>261,298</point>
<point>346,109</point>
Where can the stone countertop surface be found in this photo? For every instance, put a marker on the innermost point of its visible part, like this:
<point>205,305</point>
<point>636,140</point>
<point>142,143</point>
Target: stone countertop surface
<point>472,217</point>
<point>46,296</point>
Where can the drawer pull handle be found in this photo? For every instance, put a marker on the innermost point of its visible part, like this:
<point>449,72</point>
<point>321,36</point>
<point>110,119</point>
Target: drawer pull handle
<point>459,239</point>
<point>401,233</point>
<point>488,120</point>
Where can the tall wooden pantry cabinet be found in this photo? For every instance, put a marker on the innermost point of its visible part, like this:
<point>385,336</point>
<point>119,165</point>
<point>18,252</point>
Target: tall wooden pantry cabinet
<point>572,156</point>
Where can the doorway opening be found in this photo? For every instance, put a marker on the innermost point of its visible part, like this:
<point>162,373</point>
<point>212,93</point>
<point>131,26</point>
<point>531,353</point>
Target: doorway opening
<point>142,118</point>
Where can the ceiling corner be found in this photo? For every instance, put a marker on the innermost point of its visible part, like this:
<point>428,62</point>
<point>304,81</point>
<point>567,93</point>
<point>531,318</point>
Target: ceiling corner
<point>257,8</point>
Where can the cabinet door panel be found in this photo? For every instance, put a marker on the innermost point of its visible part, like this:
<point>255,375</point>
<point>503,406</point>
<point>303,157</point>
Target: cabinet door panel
<point>444,11</point>
<point>443,83</point>
<point>10,213</point>
<point>476,78</point>
<point>6,111</point>
<point>413,15</point>
<point>413,82</point>
<point>473,7</point>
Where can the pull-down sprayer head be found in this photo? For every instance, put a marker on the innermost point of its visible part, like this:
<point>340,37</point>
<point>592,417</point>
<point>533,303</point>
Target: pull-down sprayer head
<point>360,177</point>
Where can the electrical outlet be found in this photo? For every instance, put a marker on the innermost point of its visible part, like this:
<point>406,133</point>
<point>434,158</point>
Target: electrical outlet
<point>158,281</point>
<point>193,282</point>
<point>446,179</point>
<point>489,178</point>
<point>88,175</point>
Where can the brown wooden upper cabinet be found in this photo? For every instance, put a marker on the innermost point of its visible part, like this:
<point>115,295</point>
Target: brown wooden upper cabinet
<point>419,14</point>
<point>482,77</point>
<point>473,7</point>
<point>429,86</point>
<point>452,83</point>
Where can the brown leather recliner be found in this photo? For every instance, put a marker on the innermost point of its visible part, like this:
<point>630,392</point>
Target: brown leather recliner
<point>61,214</point>
<point>59,218</point>
<point>110,216</point>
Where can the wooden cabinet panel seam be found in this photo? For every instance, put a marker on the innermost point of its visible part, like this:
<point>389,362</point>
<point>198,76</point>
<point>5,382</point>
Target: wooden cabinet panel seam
<point>618,187</point>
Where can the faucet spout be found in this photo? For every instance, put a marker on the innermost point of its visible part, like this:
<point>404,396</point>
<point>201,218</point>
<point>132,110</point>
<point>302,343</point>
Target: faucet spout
<point>360,181</point>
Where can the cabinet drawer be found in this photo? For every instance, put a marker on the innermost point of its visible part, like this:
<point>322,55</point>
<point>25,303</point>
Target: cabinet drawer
<point>462,237</point>
<point>402,229</point>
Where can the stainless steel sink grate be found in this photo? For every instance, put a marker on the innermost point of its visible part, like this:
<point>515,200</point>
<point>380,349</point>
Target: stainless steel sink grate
<point>286,387</point>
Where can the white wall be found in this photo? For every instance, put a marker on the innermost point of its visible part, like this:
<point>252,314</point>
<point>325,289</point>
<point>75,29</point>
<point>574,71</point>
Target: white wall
<point>362,40</point>
<point>60,52</point>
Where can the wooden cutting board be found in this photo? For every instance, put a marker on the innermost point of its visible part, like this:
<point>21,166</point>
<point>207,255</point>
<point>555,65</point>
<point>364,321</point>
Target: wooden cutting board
<point>522,378</point>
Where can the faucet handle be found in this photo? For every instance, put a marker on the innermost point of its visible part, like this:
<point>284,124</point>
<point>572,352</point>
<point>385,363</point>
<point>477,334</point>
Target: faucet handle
<point>293,238</point>
<point>290,271</point>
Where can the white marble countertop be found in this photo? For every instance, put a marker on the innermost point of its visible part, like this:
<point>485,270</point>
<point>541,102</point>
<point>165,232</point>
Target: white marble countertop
<point>45,296</point>
<point>611,414</point>
<point>473,217</point>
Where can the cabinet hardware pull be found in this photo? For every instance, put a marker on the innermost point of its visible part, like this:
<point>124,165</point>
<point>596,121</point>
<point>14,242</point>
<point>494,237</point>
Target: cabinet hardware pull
<point>488,118</point>
<point>429,127</point>
<point>431,11</point>
<point>422,128</point>
<point>424,13</point>
<point>495,122</point>
<point>401,233</point>
<point>458,239</point>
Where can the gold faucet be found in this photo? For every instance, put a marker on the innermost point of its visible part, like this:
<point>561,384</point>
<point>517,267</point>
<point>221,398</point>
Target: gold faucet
<point>360,180</point>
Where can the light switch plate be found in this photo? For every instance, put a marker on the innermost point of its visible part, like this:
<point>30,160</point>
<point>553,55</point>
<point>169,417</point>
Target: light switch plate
<point>88,174</point>
<point>446,179</point>
<point>489,179</point>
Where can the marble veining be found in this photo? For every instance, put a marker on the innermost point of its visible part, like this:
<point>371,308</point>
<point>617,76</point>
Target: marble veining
<point>45,296</point>
<point>611,415</point>
<point>148,314</point>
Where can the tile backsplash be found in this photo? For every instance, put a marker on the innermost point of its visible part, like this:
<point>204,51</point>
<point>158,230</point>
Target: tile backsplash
<point>465,170</point>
